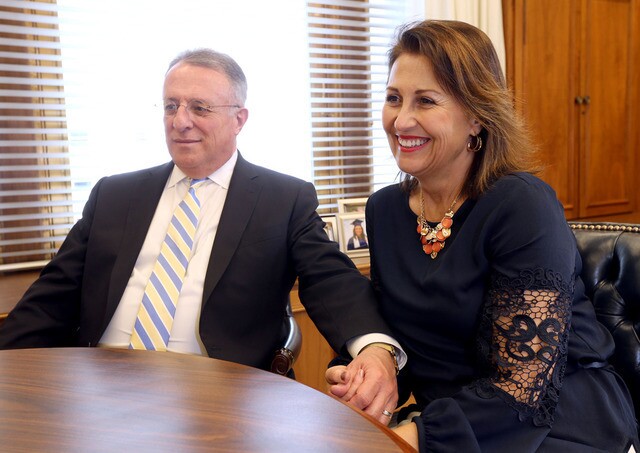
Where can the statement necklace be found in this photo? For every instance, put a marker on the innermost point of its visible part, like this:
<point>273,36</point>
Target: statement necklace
<point>432,238</point>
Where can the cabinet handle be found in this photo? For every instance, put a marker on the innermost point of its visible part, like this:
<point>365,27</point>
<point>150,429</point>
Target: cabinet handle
<point>587,100</point>
<point>579,100</point>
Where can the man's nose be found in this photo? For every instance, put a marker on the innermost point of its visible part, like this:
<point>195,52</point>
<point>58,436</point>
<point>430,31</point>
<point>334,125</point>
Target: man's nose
<point>182,118</point>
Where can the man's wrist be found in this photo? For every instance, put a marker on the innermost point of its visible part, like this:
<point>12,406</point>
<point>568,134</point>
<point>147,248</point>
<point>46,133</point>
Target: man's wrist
<point>390,349</point>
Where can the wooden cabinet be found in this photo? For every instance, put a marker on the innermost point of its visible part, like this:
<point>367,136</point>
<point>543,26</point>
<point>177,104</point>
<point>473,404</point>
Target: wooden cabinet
<point>574,66</point>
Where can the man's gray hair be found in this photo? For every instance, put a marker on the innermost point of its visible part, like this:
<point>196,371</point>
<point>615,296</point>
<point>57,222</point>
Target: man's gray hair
<point>220,62</point>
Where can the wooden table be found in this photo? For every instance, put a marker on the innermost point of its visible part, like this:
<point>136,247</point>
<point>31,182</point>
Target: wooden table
<point>93,399</point>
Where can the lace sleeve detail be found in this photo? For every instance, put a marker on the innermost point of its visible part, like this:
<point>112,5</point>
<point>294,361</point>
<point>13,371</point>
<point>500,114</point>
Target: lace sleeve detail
<point>523,341</point>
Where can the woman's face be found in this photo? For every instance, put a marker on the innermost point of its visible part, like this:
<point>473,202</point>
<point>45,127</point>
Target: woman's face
<point>426,128</point>
<point>357,230</point>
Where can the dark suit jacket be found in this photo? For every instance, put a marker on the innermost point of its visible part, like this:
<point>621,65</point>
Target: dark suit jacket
<point>268,235</point>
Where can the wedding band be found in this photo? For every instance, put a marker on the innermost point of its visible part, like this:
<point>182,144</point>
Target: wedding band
<point>387,413</point>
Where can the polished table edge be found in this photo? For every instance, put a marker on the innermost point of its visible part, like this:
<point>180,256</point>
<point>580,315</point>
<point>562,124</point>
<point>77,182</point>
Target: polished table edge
<point>199,363</point>
<point>403,444</point>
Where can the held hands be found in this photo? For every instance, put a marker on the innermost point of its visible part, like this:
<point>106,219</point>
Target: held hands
<point>368,383</point>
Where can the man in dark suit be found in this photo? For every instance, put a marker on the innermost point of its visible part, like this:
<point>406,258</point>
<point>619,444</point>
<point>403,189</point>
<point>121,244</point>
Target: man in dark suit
<point>258,231</point>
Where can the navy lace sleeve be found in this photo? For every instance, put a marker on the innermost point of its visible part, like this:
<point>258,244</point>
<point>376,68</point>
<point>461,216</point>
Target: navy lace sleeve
<point>523,341</point>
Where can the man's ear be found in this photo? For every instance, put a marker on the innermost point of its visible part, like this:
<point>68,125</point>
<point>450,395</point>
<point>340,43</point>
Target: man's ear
<point>241,117</point>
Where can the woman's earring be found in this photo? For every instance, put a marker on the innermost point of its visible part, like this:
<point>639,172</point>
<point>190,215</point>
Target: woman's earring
<point>477,146</point>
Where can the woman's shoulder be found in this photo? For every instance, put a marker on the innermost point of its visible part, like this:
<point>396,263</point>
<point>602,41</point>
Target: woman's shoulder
<point>521,180</point>
<point>521,196</point>
<point>522,186</point>
<point>391,193</point>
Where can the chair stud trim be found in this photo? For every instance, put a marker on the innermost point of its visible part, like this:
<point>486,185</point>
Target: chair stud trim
<point>604,226</point>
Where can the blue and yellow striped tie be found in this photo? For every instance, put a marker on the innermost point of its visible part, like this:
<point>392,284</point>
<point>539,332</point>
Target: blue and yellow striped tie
<point>158,307</point>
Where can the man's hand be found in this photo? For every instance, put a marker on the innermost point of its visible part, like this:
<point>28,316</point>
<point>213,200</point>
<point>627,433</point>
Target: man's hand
<point>368,383</point>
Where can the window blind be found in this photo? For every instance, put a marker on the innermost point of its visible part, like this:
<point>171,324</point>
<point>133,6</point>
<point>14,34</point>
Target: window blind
<point>58,118</point>
<point>348,43</point>
<point>35,189</point>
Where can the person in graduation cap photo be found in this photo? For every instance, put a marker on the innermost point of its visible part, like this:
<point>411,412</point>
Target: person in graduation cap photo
<point>358,240</point>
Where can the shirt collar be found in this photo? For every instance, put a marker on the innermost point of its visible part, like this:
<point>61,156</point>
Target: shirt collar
<point>222,176</point>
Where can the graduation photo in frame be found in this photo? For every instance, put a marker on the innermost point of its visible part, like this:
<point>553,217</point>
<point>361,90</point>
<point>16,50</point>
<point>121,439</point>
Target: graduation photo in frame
<point>353,234</point>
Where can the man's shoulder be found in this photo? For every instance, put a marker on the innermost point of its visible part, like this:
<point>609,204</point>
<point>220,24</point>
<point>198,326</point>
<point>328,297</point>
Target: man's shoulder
<point>162,171</point>
<point>260,173</point>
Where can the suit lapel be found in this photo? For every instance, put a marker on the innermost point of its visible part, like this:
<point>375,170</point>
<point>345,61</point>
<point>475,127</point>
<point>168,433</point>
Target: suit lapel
<point>238,208</point>
<point>146,192</point>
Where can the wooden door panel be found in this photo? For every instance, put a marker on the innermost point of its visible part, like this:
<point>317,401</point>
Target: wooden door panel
<point>548,86</point>
<point>606,155</point>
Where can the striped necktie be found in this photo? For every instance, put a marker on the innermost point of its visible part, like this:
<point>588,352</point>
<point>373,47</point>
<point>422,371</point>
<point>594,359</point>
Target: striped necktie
<point>155,317</point>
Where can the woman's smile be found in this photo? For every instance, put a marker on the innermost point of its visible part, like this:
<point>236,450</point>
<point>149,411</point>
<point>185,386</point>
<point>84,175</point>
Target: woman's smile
<point>409,143</point>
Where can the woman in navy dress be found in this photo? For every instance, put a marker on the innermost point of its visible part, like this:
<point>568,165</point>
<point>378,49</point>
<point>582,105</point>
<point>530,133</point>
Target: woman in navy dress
<point>476,270</point>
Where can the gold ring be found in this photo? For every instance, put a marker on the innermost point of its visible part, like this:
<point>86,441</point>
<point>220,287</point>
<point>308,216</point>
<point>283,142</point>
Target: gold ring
<point>387,413</point>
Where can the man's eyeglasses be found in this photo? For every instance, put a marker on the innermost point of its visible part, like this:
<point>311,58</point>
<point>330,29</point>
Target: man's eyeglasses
<point>195,108</point>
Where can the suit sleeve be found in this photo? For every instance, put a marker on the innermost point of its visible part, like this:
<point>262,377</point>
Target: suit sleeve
<point>337,297</point>
<point>48,313</point>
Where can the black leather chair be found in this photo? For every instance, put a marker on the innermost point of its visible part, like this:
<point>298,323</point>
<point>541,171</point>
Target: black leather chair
<point>611,273</point>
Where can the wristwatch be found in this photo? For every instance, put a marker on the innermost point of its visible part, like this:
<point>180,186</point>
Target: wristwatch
<point>389,348</point>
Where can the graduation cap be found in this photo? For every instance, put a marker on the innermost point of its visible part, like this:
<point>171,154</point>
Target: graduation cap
<point>357,222</point>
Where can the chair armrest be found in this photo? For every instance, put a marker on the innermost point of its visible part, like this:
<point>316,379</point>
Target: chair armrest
<point>286,356</point>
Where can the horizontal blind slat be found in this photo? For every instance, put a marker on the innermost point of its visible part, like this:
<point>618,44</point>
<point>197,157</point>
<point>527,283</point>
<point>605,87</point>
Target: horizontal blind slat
<point>348,43</point>
<point>36,206</point>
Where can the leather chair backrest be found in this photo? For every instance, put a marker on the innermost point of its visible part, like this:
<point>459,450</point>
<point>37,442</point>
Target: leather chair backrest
<point>611,273</point>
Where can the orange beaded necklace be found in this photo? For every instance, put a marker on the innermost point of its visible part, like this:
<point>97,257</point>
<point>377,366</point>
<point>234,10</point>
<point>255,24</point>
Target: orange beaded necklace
<point>432,238</point>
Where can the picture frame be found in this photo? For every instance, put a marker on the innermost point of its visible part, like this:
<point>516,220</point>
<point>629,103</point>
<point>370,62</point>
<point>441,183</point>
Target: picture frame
<point>331,227</point>
<point>347,224</point>
<point>352,205</point>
